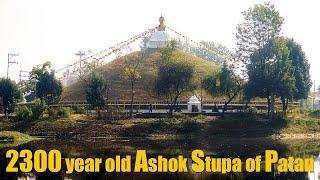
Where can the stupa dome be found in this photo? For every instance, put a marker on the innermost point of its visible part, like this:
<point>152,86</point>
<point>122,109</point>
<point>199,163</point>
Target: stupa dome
<point>158,39</point>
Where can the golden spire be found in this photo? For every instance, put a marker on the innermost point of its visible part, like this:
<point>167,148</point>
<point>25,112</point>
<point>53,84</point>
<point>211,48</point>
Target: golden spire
<point>161,26</point>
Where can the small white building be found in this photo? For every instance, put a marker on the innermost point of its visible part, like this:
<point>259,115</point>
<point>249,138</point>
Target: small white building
<point>194,105</point>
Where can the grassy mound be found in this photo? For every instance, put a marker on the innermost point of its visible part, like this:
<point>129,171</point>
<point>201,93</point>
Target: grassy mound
<point>144,91</point>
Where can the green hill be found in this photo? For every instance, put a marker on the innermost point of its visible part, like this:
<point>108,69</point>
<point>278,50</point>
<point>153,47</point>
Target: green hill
<point>148,67</point>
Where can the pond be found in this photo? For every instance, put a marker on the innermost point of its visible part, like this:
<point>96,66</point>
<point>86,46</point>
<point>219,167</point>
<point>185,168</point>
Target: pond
<point>215,147</point>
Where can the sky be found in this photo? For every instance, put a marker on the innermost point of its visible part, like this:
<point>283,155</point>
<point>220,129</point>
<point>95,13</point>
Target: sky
<point>42,30</point>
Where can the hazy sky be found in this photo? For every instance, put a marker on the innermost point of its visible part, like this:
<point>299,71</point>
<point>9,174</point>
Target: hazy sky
<point>41,30</point>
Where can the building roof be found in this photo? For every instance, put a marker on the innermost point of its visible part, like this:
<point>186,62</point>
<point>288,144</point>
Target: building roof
<point>194,100</point>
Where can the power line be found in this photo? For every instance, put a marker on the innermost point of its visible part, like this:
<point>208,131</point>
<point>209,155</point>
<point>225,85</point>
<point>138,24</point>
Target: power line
<point>109,50</point>
<point>114,49</point>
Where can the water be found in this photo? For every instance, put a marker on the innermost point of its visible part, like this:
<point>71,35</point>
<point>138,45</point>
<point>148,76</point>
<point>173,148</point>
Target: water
<point>217,147</point>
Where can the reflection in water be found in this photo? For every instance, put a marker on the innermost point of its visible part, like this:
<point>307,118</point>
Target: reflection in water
<point>218,147</point>
<point>316,174</point>
<point>29,176</point>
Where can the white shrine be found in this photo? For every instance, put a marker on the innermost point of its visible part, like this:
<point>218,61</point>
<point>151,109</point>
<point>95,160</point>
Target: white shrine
<point>194,105</point>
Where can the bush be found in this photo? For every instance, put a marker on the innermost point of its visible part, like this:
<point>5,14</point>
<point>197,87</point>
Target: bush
<point>79,110</point>
<point>181,116</point>
<point>188,126</point>
<point>252,110</point>
<point>115,113</point>
<point>38,108</point>
<point>52,112</point>
<point>57,112</point>
<point>315,114</point>
<point>24,114</point>
<point>64,112</point>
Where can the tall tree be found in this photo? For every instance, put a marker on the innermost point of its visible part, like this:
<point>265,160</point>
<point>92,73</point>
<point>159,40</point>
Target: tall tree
<point>225,83</point>
<point>97,91</point>
<point>230,83</point>
<point>301,70</point>
<point>256,42</point>
<point>270,73</point>
<point>44,83</point>
<point>132,74</point>
<point>40,70</point>
<point>174,77</point>
<point>262,23</point>
<point>301,67</point>
<point>9,94</point>
<point>29,90</point>
<point>48,88</point>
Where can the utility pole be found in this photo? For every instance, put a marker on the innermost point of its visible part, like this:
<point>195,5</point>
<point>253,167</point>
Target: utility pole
<point>21,75</point>
<point>10,55</point>
<point>314,94</point>
<point>201,105</point>
<point>80,54</point>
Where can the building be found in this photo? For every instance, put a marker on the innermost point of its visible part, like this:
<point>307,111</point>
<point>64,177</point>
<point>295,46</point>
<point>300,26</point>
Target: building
<point>160,38</point>
<point>194,105</point>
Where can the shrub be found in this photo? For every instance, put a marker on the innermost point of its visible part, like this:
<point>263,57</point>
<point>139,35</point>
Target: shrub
<point>24,114</point>
<point>188,126</point>
<point>181,116</point>
<point>315,114</point>
<point>252,110</point>
<point>79,110</point>
<point>38,108</point>
<point>57,112</point>
<point>64,112</point>
<point>52,112</point>
<point>115,113</point>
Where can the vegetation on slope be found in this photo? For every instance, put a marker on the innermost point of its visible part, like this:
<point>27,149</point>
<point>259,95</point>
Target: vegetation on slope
<point>148,67</point>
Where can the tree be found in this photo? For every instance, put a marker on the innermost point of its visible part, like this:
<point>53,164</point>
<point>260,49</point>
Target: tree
<point>271,73</point>
<point>174,77</point>
<point>262,24</point>
<point>44,84</point>
<point>48,88</point>
<point>301,70</point>
<point>225,83</point>
<point>256,49</point>
<point>230,83</point>
<point>132,74</point>
<point>9,94</point>
<point>37,72</point>
<point>210,83</point>
<point>301,87</point>
<point>97,91</point>
<point>285,76</point>
<point>29,90</point>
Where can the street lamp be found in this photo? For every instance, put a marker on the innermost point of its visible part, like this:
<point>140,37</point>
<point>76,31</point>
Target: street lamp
<point>10,55</point>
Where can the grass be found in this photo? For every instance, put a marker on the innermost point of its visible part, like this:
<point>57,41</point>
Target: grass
<point>301,122</point>
<point>14,138</point>
<point>70,123</point>
<point>235,125</point>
